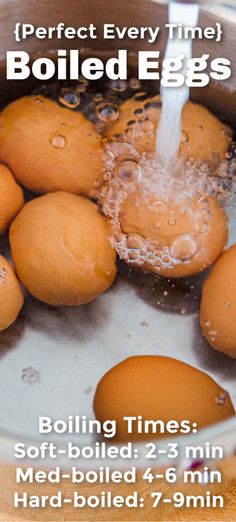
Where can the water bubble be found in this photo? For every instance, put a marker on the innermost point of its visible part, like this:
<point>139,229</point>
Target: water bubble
<point>38,100</point>
<point>131,122</point>
<point>127,170</point>
<point>147,126</point>
<point>58,141</point>
<point>3,274</point>
<point>119,85</point>
<point>138,112</point>
<point>183,248</point>
<point>152,105</point>
<point>157,264</point>
<point>213,333</point>
<point>143,252</point>
<point>69,98</point>
<point>184,137</point>
<point>201,227</point>
<point>121,149</point>
<point>205,167</point>
<point>183,311</point>
<point>166,259</point>
<point>108,112</point>
<point>98,97</point>
<point>152,110</point>
<point>221,398</point>
<point>222,169</point>
<point>133,131</point>
<point>132,255</point>
<point>226,131</point>
<point>82,85</point>
<point>229,155</point>
<point>135,241</point>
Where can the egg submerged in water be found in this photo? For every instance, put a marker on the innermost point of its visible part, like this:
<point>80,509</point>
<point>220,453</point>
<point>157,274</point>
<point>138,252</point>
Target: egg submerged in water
<point>218,305</point>
<point>204,137</point>
<point>11,295</point>
<point>50,148</point>
<point>181,241</point>
<point>157,387</point>
<point>11,198</point>
<point>162,220</point>
<point>61,250</point>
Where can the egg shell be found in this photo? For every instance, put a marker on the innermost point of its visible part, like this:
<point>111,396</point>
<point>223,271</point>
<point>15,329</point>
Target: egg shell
<point>141,217</point>
<point>50,148</point>
<point>157,387</point>
<point>60,247</point>
<point>218,305</point>
<point>11,198</point>
<point>204,136</point>
<point>11,295</point>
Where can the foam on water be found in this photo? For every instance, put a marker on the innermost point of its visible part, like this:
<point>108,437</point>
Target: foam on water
<point>174,98</point>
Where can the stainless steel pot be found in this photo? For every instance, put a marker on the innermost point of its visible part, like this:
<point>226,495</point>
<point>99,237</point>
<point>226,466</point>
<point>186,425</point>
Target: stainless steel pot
<point>52,359</point>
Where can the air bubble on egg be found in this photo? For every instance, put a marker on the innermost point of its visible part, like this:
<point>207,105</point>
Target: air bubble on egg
<point>82,85</point>
<point>132,255</point>
<point>98,97</point>
<point>221,398</point>
<point>127,170</point>
<point>3,274</point>
<point>107,112</point>
<point>229,155</point>
<point>183,248</point>
<point>202,228</point>
<point>213,333</point>
<point>205,167</point>
<point>58,141</point>
<point>122,150</point>
<point>135,241</point>
<point>38,100</point>
<point>138,112</point>
<point>69,99</point>
<point>184,137</point>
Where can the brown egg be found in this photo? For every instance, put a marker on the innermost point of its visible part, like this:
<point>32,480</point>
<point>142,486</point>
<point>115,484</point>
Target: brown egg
<point>218,306</point>
<point>50,148</point>
<point>11,295</point>
<point>133,114</point>
<point>11,198</point>
<point>61,250</point>
<point>204,136</point>
<point>182,240</point>
<point>159,388</point>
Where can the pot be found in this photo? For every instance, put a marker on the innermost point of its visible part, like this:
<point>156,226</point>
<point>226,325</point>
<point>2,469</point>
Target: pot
<point>52,359</point>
